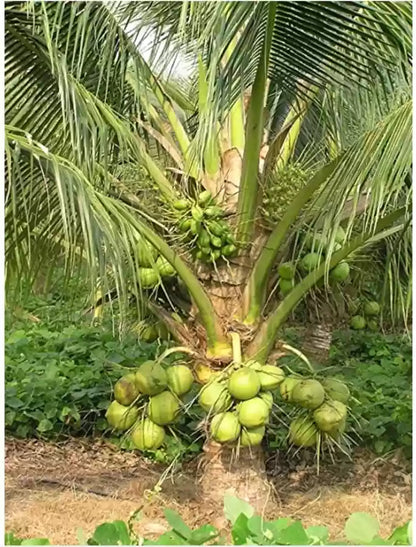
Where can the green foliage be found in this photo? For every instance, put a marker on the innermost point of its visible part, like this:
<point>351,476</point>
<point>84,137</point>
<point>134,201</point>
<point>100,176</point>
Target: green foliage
<point>247,528</point>
<point>378,370</point>
<point>60,381</point>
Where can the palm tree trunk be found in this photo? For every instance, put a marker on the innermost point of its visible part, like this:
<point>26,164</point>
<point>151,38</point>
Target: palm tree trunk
<point>243,475</point>
<point>317,342</point>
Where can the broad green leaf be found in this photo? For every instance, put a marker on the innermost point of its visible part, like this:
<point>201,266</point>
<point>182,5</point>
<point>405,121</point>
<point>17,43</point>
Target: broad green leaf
<point>177,523</point>
<point>319,533</point>
<point>234,507</point>
<point>294,534</point>
<point>400,535</point>
<point>11,539</point>
<point>169,538</point>
<point>112,533</point>
<point>203,534</point>
<point>240,532</point>
<point>45,425</point>
<point>361,528</point>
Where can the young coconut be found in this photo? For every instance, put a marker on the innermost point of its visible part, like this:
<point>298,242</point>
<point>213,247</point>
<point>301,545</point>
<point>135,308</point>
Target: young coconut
<point>215,398</point>
<point>372,308</point>
<point>267,397</point>
<point>125,390</point>
<point>303,432</point>
<point>308,394</point>
<point>180,379</point>
<point>146,254</point>
<point>225,427</point>
<point>310,262</point>
<point>341,272</point>
<point>286,286</point>
<point>357,322</point>
<point>163,408</point>
<point>151,378</point>
<point>121,417</point>
<point>286,388</point>
<point>244,383</point>
<point>330,415</point>
<point>270,377</point>
<point>286,271</point>
<point>253,436</point>
<point>253,412</point>
<point>336,390</point>
<point>147,435</point>
<point>164,267</point>
<point>148,278</point>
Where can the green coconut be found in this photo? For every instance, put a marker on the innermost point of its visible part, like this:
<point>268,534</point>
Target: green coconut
<point>310,262</point>
<point>372,308</point>
<point>267,397</point>
<point>148,278</point>
<point>214,398</point>
<point>164,267</point>
<point>340,235</point>
<point>163,408</point>
<point>149,333</point>
<point>180,379</point>
<point>336,390</point>
<point>151,378</point>
<point>121,417</point>
<point>341,272</point>
<point>125,390</point>
<point>146,254</point>
<point>372,325</point>
<point>147,435</point>
<point>315,242</point>
<point>244,383</point>
<point>225,427</point>
<point>270,377</point>
<point>253,412</point>
<point>286,270</point>
<point>286,388</point>
<point>308,394</point>
<point>253,436</point>
<point>338,429</point>
<point>357,322</point>
<point>303,432</point>
<point>286,286</point>
<point>330,415</point>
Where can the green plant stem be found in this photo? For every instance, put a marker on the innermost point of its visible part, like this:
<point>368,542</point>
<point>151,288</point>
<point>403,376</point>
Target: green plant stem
<point>249,185</point>
<point>255,291</point>
<point>266,336</point>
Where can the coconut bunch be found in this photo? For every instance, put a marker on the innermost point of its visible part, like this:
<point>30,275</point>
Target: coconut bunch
<point>147,400</point>
<point>238,403</point>
<point>281,188</point>
<point>314,246</point>
<point>202,223</point>
<point>325,405</point>
<point>151,331</point>
<point>152,266</point>
<point>367,318</point>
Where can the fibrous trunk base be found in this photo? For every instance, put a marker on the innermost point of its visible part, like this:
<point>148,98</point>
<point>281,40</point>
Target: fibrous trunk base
<point>243,476</point>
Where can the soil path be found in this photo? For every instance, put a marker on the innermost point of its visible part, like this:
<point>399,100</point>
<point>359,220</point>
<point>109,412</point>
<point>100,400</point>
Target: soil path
<point>54,490</point>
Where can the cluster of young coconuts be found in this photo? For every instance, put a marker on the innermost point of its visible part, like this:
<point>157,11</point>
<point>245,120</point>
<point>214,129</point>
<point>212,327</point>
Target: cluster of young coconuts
<point>147,400</point>
<point>152,266</point>
<point>202,223</point>
<point>238,403</point>
<point>371,310</point>
<point>315,246</point>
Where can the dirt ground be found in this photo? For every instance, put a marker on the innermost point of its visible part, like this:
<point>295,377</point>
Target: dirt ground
<point>54,490</point>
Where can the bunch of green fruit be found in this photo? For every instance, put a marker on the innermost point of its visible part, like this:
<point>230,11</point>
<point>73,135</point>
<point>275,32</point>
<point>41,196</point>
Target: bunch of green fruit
<point>281,188</point>
<point>316,245</point>
<point>325,405</point>
<point>152,266</point>
<point>371,309</point>
<point>147,400</point>
<point>202,223</point>
<point>239,402</point>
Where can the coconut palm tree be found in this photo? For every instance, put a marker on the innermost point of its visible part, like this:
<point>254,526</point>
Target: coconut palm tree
<point>114,164</point>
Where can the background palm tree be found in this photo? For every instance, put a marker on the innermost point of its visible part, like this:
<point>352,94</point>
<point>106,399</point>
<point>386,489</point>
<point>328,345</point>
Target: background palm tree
<point>100,148</point>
